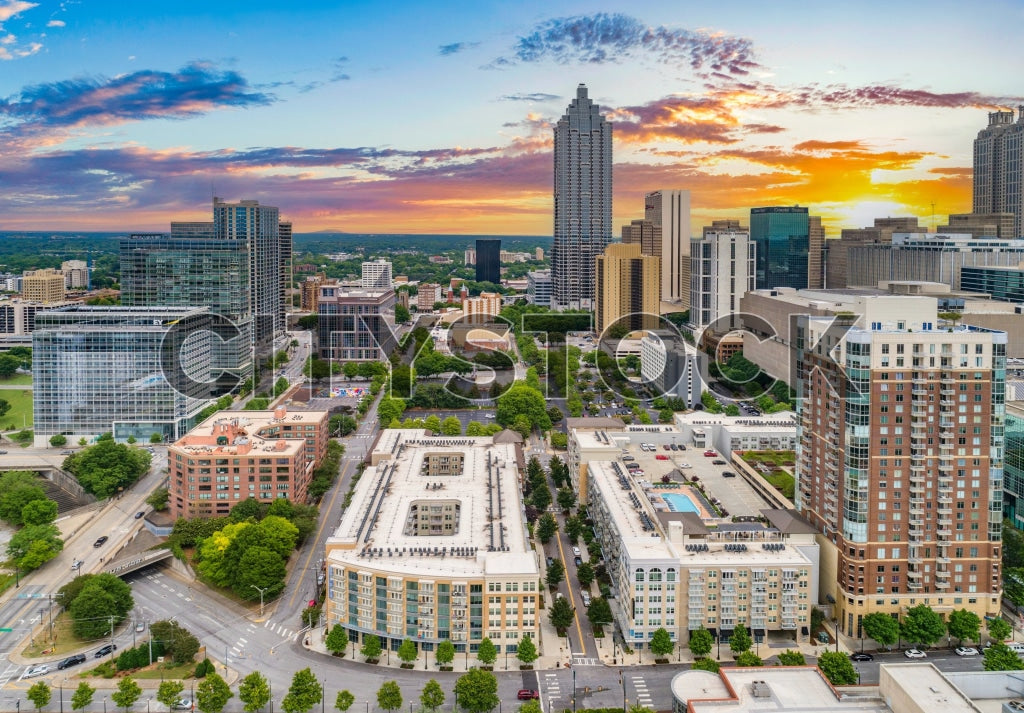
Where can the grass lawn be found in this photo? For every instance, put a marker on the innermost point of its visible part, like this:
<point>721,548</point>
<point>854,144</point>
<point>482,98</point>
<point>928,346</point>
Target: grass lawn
<point>19,379</point>
<point>21,406</point>
<point>783,482</point>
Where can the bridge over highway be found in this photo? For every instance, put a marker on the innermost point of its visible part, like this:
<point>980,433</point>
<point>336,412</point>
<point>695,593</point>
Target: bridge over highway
<point>131,563</point>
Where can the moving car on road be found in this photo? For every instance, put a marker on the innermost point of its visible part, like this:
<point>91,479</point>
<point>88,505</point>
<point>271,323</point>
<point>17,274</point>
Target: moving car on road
<point>861,657</point>
<point>100,541</point>
<point>40,670</point>
<point>71,661</point>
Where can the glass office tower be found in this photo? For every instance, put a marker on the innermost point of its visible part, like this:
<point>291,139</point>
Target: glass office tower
<point>782,236</point>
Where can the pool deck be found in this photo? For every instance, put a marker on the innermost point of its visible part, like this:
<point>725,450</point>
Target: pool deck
<point>693,494</point>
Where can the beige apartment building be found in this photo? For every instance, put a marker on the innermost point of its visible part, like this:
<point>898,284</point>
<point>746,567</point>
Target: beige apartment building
<point>627,283</point>
<point>45,286</point>
<point>434,546</point>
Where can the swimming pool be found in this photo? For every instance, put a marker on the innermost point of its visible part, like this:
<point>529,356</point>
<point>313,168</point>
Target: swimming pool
<point>678,502</point>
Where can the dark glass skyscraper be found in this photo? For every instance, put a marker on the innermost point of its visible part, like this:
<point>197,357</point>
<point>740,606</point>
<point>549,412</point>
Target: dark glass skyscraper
<point>583,201</point>
<point>782,236</point>
<point>488,260</point>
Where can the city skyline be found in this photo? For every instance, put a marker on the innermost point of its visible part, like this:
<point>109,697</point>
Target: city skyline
<point>439,119</point>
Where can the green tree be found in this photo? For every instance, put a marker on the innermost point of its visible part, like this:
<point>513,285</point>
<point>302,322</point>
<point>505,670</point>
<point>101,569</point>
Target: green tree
<point>541,497</point>
<point>127,693</point>
<point>39,694</point>
<point>706,665</point>
<point>451,426</point>
<point>701,642</point>
<point>169,692</point>
<point>486,652</point>
<point>155,438</point>
<point>661,643</point>
<point>964,625</point>
<point>574,528</point>
<point>445,653</point>
<point>477,691</point>
<point>389,409</point>
<point>566,498</point>
<point>304,693</point>
<point>837,668</point>
<point>922,626</point>
<point>58,440</point>
<point>749,658</point>
<point>432,423</point>
<point>791,658</point>
<point>556,573</point>
<point>585,574</point>
<point>179,643</point>
<point>8,366</point>
<point>254,692</point>
<point>82,697</point>
<point>107,467</point>
<point>1000,657</point>
<point>521,400</point>
<point>432,697</point>
<point>526,651</point>
<point>39,512</point>
<point>547,526</point>
<point>18,489</point>
<point>158,500</point>
<point>34,545</point>
<point>402,315</point>
<point>740,640</point>
<point>371,648</point>
<point>999,629</point>
<point>599,612</point>
<point>131,440</point>
<point>882,628</point>
<point>212,693</point>
<point>561,613</point>
<point>98,603</point>
<point>337,640</point>
<point>389,696</point>
<point>407,651</point>
<point>344,700</point>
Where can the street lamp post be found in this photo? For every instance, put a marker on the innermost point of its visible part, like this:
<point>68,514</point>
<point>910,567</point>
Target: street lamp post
<point>574,691</point>
<point>622,680</point>
<point>261,591</point>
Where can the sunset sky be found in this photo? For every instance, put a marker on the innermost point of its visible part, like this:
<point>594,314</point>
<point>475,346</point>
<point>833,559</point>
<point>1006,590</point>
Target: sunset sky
<point>435,117</point>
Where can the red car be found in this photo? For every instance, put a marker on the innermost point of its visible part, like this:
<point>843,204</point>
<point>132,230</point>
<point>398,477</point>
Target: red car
<point>661,457</point>
<point>710,454</point>
<point>526,694</point>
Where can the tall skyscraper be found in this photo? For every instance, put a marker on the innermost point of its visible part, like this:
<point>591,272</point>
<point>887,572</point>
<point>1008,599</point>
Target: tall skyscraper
<point>628,285</point>
<point>789,247</point>
<point>286,249</point>
<point>900,458</point>
<point>488,260</point>
<point>259,226</point>
<point>999,167</point>
<point>669,212</point>
<point>583,201</point>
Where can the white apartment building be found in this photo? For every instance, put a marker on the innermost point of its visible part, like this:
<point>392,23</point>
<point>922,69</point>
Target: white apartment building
<point>376,275</point>
<point>722,269</point>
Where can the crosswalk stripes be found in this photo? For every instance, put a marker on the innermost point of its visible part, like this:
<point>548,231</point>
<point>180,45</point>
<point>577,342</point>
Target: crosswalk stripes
<point>550,683</point>
<point>582,661</point>
<point>280,629</point>
<point>8,673</point>
<point>640,687</point>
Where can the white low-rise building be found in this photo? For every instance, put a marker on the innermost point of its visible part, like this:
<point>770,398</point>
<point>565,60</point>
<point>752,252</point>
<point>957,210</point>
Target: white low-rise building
<point>775,431</point>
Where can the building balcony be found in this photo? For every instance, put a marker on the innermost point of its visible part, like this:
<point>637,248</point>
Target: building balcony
<point>944,532</point>
<point>942,573</point>
<point>915,586</point>
<point>914,574</point>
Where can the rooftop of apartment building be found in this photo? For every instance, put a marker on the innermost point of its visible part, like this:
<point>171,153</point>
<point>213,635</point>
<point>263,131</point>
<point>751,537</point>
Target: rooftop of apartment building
<point>474,480</point>
<point>246,432</point>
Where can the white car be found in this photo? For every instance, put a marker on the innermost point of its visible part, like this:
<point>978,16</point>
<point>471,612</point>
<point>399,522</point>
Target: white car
<point>576,551</point>
<point>966,651</point>
<point>34,671</point>
<point>915,654</point>
<point>685,465</point>
<point>585,597</point>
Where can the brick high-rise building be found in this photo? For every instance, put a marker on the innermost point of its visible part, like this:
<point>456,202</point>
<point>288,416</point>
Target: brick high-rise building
<point>900,457</point>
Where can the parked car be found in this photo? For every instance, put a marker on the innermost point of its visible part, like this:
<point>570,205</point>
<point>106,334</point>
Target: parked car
<point>182,704</point>
<point>665,446</point>
<point>861,657</point>
<point>728,474</point>
<point>550,561</point>
<point>99,542</point>
<point>103,651</point>
<point>718,461</point>
<point>674,447</point>
<point>915,654</point>
<point>576,551</point>
<point>67,453</point>
<point>661,456</point>
<point>40,670</point>
<point>685,465</point>
<point>71,661</point>
<point>966,651</point>
<point>527,694</point>
<point>577,561</point>
<point>140,514</point>
<point>585,597</point>
<point>710,454</point>
<point>3,453</point>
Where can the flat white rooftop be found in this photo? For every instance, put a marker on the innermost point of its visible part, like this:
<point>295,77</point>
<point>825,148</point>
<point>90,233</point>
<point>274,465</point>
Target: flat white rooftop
<point>490,536</point>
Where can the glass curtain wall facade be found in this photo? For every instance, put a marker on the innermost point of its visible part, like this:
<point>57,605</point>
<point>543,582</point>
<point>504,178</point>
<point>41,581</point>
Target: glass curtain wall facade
<point>782,236</point>
<point>102,369</point>
<point>488,261</point>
